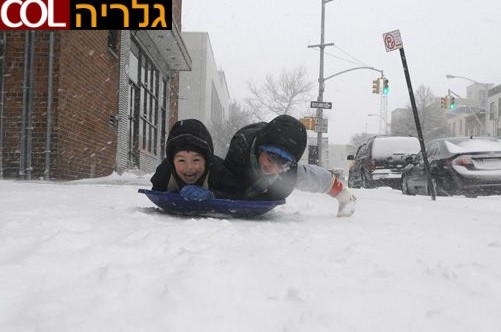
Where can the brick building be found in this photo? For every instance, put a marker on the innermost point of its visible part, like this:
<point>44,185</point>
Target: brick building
<point>76,100</point>
<point>79,104</point>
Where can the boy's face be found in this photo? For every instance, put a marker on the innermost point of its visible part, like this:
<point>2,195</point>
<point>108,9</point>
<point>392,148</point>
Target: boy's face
<point>269,165</point>
<point>189,165</point>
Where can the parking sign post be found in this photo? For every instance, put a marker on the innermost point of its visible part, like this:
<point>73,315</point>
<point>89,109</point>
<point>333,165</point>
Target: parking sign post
<point>393,41</point>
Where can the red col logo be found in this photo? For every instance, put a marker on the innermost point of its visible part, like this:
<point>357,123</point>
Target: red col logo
<point>34,14</point>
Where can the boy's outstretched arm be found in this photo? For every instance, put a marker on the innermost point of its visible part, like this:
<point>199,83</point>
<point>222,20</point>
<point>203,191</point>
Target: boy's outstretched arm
<point>313,178</point>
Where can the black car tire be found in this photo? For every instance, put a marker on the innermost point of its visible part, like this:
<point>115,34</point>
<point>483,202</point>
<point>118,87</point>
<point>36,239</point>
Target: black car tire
<point>439,189</point>
<point>470,194</point>
<point>366,183</point>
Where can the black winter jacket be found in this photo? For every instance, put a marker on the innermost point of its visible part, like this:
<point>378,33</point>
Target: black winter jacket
<point>285,132</point>
<point>219,180</point>
<point>192,135</point>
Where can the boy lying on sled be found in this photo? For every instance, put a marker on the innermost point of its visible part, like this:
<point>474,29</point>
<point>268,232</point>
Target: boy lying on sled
<point>261,164</point>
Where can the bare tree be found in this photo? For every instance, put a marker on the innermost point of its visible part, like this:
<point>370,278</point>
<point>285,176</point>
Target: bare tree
<point>357,140</point>
<point>285,94</point>
<point>432,118</point>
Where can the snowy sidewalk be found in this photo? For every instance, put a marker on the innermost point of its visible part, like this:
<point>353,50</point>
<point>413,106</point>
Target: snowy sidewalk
<point>97,256</point>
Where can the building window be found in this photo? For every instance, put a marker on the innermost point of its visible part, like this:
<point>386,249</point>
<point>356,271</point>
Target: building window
<point>152,102</point>
<point>149,79</point>
<point>113,41</point>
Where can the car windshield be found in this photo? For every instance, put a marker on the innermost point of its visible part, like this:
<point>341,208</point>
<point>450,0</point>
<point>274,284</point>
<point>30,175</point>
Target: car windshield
<point>473,145</point>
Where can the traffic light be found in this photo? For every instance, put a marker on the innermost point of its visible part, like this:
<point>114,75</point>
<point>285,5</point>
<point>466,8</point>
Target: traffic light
<point>308,122</point>
<point>386,87</point>
<point>443,102</point>
<point>452,103</point>
<point>376,86</point>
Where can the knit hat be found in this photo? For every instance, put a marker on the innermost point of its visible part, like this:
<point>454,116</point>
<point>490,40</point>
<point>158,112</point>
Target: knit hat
<point>285,133</point>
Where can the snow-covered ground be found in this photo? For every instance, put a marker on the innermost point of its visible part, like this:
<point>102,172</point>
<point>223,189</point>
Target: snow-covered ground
<point>95,255</point>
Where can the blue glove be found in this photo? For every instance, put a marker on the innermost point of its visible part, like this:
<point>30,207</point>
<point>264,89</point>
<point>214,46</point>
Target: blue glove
<point>195,193</point>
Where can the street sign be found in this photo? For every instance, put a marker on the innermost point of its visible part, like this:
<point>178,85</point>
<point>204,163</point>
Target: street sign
<point>321,126</point>
<point>392,40</point>
<point>321,104</point>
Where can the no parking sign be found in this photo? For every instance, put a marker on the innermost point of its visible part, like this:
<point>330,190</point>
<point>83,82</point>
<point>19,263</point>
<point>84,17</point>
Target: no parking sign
<point>392,40</point>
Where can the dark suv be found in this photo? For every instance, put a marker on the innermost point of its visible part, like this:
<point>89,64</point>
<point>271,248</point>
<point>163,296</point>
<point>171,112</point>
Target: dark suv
<point>380,160</point>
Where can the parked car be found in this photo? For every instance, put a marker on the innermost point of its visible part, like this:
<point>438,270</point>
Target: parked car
<point>379,161</point>
<point>469,166</point>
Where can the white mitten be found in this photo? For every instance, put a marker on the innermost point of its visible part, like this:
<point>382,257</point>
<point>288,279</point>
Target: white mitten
<point>347,202</point>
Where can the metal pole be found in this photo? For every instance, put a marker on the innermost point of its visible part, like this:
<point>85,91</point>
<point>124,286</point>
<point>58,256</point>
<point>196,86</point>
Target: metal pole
<point>48,134</point>
<point>321,79</point>
<point>29,118</point>
<point>418,124</point>
<point>24,112</point>
<point>3,42</point>
<point>321,84</point>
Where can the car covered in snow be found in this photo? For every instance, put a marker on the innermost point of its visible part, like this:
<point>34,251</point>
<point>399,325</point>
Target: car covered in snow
<point>379,161</point>
<point>469,166</point>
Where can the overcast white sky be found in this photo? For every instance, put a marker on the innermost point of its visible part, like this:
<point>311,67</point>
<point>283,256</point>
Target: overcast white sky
<point>251,39</point>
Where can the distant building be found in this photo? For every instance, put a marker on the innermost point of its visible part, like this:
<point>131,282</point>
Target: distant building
<point>494,111</point>
<point>470,117</point>
<point>467,121</point>
<point>477,94</point>
<point>478,119</point>
<point>397,115</point>
<point>203,91</point>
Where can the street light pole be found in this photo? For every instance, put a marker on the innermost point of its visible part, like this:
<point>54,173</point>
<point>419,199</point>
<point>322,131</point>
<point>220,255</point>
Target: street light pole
<point>352,69</point>
<point>381,120</point>
<point>321,80</point>
<point>466,78</point>
<point>485,97</point>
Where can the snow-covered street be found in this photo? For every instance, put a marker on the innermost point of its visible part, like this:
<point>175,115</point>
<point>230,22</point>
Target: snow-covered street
<point>94,255</point>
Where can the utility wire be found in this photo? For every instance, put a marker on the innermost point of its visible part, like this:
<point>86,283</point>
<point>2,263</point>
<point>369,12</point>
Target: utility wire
<point>351,56</point>
<point>356,62</point>
<point>340,58</point>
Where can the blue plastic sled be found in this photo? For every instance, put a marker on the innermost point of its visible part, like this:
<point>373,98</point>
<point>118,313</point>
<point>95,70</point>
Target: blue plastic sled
<point>173,203</point>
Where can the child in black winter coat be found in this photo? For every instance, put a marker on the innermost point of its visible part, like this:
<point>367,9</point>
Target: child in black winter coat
<point>190,166</point>
<point>264,156</point>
